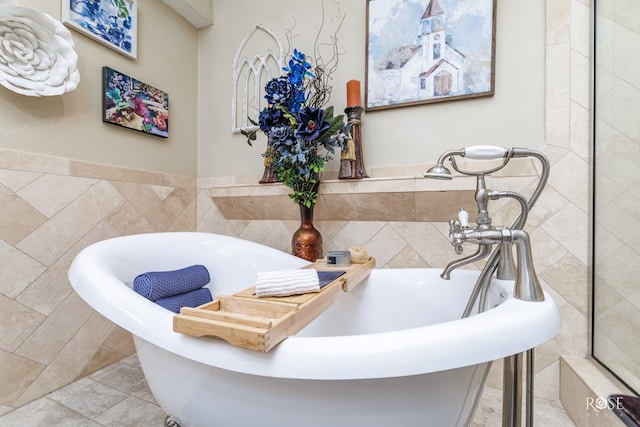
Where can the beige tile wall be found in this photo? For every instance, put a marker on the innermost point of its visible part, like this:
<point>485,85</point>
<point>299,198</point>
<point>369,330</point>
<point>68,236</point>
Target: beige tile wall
<point>51,208</point>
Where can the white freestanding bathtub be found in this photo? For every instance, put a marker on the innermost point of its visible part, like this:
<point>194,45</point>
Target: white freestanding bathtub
<point>394,351</point>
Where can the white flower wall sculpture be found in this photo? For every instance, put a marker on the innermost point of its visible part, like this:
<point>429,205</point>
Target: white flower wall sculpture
<point>37,56</point>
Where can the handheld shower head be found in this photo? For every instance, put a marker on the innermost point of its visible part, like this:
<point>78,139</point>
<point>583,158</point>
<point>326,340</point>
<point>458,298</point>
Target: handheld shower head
<point>438,172</point>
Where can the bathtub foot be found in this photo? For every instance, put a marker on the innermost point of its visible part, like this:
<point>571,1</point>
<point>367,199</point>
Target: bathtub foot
<point>170,422</point>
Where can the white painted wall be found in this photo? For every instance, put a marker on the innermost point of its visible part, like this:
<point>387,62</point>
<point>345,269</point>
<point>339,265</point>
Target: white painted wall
<point>194,67</point>
<point>514,116</point>
<point>71,126</point>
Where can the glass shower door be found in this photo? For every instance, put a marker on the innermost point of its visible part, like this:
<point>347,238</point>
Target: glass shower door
<point>616,252</point>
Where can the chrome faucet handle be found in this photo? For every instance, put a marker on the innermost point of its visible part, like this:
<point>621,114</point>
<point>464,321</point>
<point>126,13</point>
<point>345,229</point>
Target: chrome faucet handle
<point>456,235</point>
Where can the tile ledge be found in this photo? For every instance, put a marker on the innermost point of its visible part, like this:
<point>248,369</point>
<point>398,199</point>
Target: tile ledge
<point>582,381</point>
<point>390,184</point>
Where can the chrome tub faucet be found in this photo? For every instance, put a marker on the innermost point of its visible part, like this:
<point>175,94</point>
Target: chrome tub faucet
<point>527,287</point>
<point>500,260</point>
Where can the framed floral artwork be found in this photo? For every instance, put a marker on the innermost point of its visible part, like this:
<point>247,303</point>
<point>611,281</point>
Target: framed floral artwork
<point>113,23</point>
<point>429,51</point>
<point>133,104</point>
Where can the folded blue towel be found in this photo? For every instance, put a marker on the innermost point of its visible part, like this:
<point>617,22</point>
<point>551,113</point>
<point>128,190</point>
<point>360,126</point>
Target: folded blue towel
<point>188,299</point>
<point>162,284</point>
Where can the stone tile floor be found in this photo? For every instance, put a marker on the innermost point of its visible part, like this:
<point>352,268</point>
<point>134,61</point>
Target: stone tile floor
<point>548,413</point>
<point>118,396</point>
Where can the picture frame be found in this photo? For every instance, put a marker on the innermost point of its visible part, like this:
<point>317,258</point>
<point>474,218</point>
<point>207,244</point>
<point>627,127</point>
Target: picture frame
<point>114,23</point>
<point>449,56</point>
<point>132,104</point>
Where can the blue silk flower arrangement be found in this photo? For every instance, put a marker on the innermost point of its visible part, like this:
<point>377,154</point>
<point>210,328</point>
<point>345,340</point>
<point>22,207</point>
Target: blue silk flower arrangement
<point>302,136</point>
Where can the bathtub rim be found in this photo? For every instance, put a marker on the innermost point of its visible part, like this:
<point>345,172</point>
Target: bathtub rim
<point>406,352</point>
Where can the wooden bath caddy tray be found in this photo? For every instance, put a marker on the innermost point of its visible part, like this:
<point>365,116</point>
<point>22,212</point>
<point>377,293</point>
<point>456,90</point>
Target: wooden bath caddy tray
<point>247,321</point>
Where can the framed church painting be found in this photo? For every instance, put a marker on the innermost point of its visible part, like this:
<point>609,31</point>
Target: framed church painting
<point>424,51</point>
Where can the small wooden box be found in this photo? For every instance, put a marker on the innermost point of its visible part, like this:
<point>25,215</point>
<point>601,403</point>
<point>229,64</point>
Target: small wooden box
<point>247,321</point>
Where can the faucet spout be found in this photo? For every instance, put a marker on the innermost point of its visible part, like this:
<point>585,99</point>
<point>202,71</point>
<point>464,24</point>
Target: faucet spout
<point>527,286</point>
<point>482,252</point>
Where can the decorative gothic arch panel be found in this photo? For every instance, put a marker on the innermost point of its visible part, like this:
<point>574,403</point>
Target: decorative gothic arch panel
<point>250,72</point>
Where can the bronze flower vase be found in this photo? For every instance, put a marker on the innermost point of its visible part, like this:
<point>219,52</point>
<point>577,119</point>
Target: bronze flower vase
<point>306,242</point>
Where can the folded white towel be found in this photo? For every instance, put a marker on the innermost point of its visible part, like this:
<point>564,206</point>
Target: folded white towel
<point>286,282</point>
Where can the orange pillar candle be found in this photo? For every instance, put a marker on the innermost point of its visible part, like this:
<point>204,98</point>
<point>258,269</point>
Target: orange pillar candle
<point>353,93</point>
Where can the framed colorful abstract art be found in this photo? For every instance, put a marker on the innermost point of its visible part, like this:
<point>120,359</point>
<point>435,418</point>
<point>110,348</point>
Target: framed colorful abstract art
<point>113,23</point>
<point>133,104</point>
<point>423,51</point>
